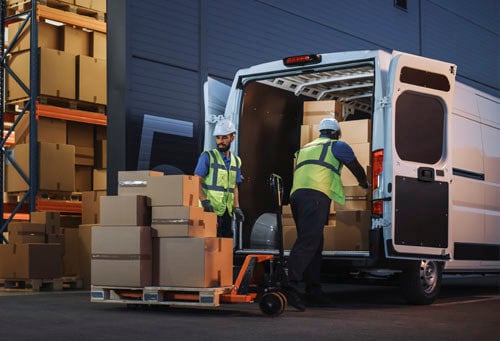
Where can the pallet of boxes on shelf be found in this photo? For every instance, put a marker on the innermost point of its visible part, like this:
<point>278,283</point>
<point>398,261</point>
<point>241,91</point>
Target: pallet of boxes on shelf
<point>155,242</point>
<point>348,225</point>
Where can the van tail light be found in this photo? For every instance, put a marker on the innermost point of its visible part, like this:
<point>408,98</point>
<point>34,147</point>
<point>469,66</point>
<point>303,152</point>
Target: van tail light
<point>377,161</point>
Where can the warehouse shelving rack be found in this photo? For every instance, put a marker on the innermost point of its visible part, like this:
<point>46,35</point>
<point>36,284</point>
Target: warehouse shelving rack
<point>37,10</point>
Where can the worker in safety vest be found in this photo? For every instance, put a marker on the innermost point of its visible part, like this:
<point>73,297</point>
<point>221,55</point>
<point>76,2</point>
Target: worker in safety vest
<point>316,182</point>
<point>220,172</point>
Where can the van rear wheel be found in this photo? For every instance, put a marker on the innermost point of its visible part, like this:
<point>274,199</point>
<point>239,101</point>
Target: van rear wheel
<point>421,281</point>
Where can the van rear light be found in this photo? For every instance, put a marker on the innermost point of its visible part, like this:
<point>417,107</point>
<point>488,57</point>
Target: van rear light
<point>302,60</point>
<point>377,161</point>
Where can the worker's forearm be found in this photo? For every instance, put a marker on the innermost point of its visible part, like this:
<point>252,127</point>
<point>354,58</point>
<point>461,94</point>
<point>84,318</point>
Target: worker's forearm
<point>357,170</point>
<point>236,202</point>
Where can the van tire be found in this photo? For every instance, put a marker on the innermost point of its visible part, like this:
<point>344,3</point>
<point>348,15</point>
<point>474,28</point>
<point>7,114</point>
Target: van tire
<point>420,281</point>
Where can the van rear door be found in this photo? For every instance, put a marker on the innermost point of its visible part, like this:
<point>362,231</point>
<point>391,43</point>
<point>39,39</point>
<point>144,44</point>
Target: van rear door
<point>420,158</point>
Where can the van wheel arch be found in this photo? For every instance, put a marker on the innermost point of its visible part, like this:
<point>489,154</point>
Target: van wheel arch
<point>420,281</point>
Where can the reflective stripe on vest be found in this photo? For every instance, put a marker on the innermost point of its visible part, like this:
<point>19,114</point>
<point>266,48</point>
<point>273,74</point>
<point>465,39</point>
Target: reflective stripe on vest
<point>318,169</point>
<point>219,183</point>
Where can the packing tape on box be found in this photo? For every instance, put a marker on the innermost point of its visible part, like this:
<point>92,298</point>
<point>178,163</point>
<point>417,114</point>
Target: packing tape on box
<point>132,183</point>
<point>173,221</point>
<point>113,256</point>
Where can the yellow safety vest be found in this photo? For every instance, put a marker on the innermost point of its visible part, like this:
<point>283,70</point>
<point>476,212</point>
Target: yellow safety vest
<point>219,183</point>
<point>318,169</point>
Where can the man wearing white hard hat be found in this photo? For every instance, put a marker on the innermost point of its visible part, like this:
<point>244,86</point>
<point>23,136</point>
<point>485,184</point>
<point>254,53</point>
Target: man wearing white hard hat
<point>316,182</point>
<point>220,173</point>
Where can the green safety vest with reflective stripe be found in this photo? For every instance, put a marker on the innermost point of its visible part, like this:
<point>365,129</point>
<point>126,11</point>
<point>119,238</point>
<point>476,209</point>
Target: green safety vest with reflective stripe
<point>318,169</point>
<point>219,183</point>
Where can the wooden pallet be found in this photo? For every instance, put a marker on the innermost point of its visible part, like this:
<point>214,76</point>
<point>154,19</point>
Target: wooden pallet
<point>170,296</point>
<point>55,284</point>
<point>25,5</point>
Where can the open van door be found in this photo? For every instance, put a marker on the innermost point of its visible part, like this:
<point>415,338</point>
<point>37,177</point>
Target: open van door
<point>420,110</point>
<point>215,94</point>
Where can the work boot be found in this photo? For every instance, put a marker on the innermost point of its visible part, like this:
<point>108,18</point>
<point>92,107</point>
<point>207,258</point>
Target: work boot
<point>293,298</point>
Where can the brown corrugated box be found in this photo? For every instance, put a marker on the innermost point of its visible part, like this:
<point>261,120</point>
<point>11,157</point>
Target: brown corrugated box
<point>98,45</point>
<point>182,221</point>
<point>52,220</point>
<point>56,170</point>
<point>359,131</point>
<point>195,262</point>
<point>91,80</point>
<point>48,130</point>
<point>363,154</point>
<point>134,182</point>
<point>101,154</point>
<point>30,261</point>
<point>121,256</point>
<point>71,258</point>
<point>350,232</point>
<point>74,40</point>
<point>99,180</point>
<point>48,36</point>
<point>83,178</point>
<point>85,253</point>
<point>81,135</point>
<point>91,206</point>
<point>173,190</point>
<point>315,111</point>
<point>125,210</point>
<point>26,232</point>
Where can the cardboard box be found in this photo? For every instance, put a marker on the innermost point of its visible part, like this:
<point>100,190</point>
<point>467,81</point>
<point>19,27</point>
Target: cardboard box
<point>68,220</point>
<point>195,262</point>
<point>26,232</point>
<point>363,154</point>
<point>359,131</point>
<point>315,111</point>
<point>85,253</point>
<point>181,221</point>
<point>99,180</point>
<point>56,238</point>
<point>183,190</point>
<point>83,178</point>
<point>125,210</point>
<point>71,258</point>
<point>48,130</point>
<point>56,170</point>
<point>91,207</point>
<point>84,156</point>
<point>48,36</point>
<point>98,5</point>
<point>57,74</point>
<point>350,232</point>
<point>308,133</point>
<point>80,134</point>
<point>121,256</point>
<point>354,204</point>
<point>51,220</point>
<point>91,80</point>
<point>134,182</point>
<point>98,45</point>
<point>31,261</point>
<point>74,40</point>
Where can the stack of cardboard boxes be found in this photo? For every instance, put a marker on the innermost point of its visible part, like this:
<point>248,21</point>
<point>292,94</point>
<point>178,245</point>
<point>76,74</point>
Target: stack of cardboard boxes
<point>153,233</point>
<point>35,249</point>
<point>348,225</point>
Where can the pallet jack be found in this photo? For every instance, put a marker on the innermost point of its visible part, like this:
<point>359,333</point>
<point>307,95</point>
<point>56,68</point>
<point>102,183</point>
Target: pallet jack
<point>263,278</point>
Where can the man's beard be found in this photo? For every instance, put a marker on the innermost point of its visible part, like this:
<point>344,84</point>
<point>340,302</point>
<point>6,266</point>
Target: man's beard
<point>222,148</point>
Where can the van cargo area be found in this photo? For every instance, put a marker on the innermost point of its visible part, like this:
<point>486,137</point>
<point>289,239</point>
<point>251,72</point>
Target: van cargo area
<point>280,113</point>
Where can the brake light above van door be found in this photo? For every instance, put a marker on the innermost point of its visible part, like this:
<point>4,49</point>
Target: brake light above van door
<point>377,161</point>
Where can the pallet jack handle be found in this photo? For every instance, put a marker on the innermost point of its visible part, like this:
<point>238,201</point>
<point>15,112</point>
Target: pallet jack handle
<point>276,183</point>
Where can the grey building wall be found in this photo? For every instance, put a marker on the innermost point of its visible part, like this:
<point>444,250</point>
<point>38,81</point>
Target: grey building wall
<point>161,52</point>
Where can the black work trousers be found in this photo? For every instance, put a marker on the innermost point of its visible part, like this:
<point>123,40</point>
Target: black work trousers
<point>310,209</point>
<point>224,222</point>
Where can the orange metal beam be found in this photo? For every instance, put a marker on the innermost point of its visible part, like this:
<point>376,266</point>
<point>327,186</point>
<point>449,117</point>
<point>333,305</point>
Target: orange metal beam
<point>71,114</point>
<point>70,18</point>
<point>59,206</point>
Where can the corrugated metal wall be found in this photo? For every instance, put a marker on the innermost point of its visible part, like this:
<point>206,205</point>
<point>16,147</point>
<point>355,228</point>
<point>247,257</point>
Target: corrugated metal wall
<point>170,47</point>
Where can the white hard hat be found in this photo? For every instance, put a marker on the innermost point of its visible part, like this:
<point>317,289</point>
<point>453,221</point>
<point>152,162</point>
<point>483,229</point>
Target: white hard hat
<point>329,124</point>
<point>224,127</point>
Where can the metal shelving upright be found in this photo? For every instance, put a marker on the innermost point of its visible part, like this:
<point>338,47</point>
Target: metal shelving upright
<point>31,106</point>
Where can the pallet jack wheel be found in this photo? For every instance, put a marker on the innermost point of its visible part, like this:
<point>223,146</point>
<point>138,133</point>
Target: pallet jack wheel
<point>272,304</point>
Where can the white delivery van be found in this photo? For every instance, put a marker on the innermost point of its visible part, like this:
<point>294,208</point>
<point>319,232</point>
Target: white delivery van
<point>429,145</point>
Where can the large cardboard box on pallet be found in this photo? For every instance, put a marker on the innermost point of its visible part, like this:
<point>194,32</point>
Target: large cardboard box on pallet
<point>56,170</point>
<point>183,221</point>
<point>134,182</point>
<point>183,190</point>
<point>195,262</point>
<point>125,210</point>
<point>91,80</point>
<point>121,256</point>
<point>21,232</point>
<point>74,40</point>
<point>30,261</point>
<point>81,135</point>
<point>56,78</point>
<point>83,178</point>
<point>98,45</point>
<point>48,130</point>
